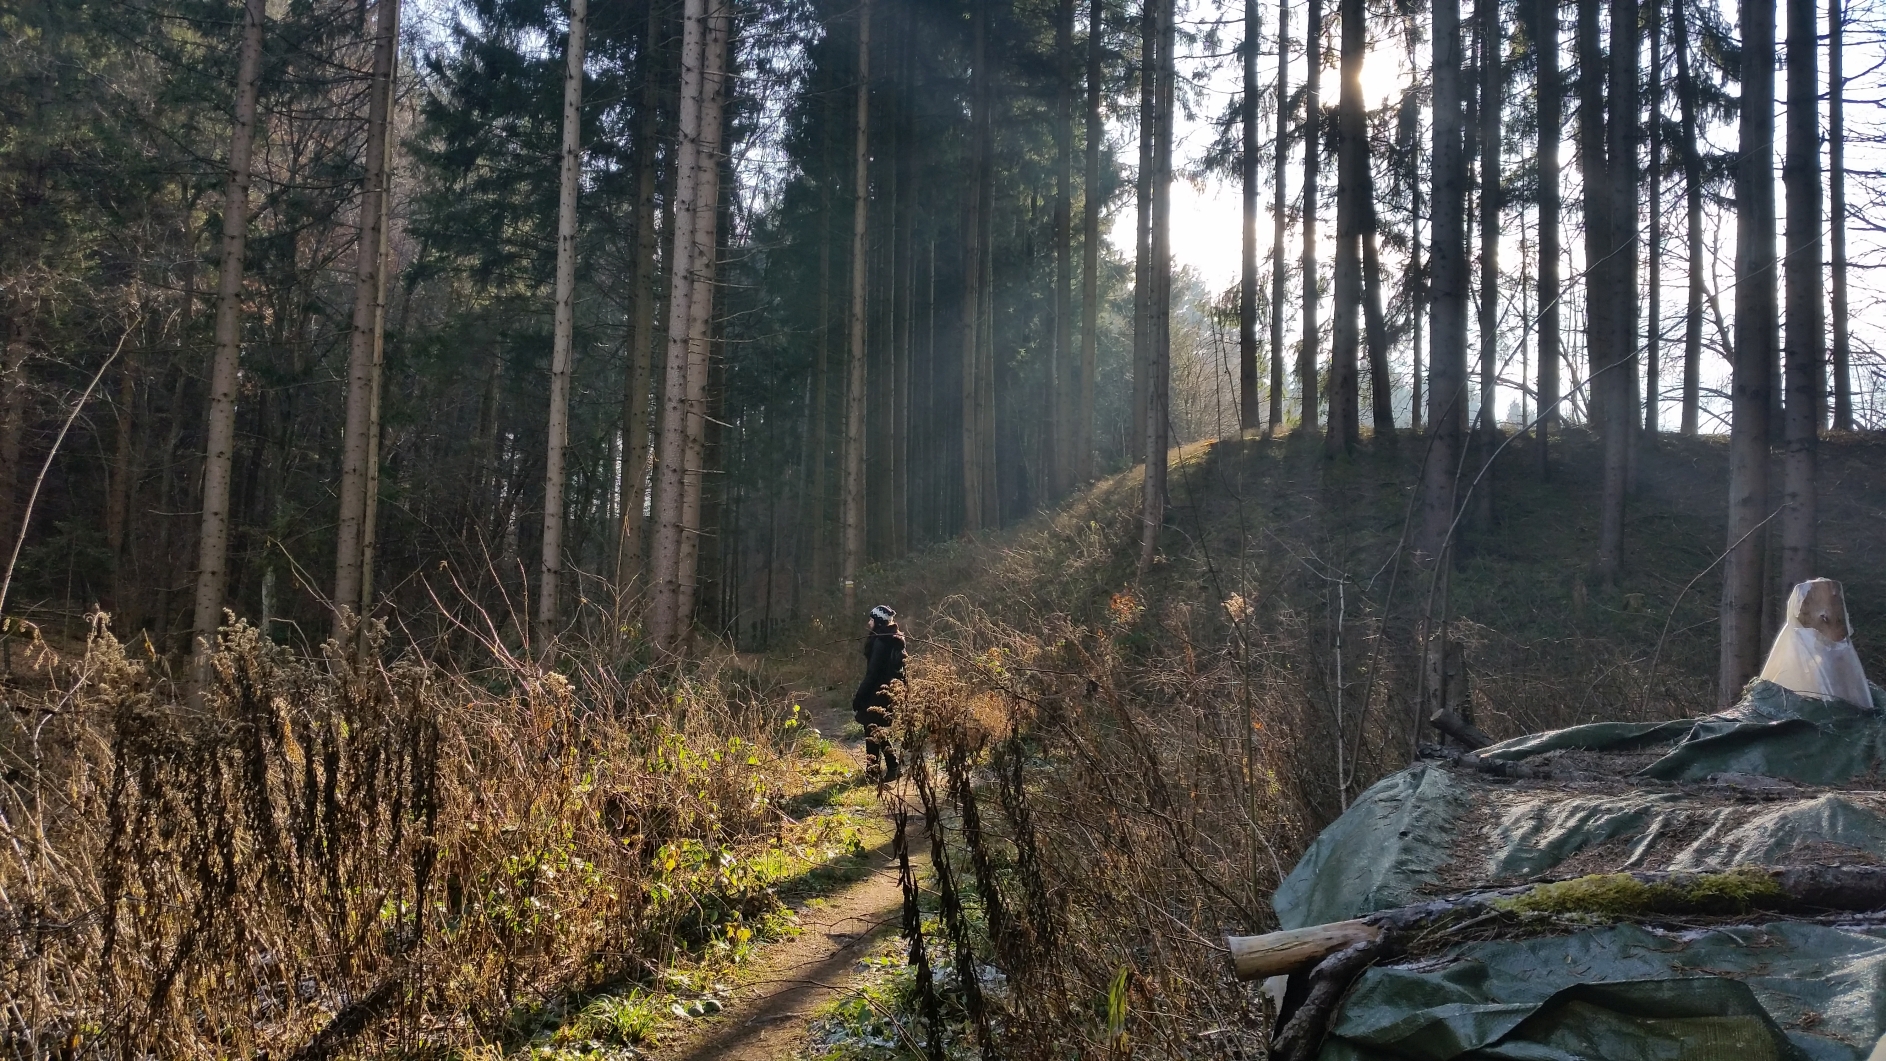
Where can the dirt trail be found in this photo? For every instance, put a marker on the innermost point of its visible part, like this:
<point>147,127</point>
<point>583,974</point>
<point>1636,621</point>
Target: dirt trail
<point>770,1015</point>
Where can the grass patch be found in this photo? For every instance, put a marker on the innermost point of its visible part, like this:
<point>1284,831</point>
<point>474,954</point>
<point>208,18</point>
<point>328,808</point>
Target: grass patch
<point>746,896</point>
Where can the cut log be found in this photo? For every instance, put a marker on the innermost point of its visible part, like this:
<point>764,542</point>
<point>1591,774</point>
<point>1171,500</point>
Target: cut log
<point>1611,896</point>
<point>1450,723</point>
<point>1293,950</point>
<point>1336,954</point>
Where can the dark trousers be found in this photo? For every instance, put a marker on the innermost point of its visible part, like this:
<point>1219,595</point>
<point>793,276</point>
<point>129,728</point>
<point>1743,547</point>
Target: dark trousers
<point>874,714</point>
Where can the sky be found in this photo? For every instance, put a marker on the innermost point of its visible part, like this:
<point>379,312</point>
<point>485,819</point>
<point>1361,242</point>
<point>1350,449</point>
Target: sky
<point>1206,211</point>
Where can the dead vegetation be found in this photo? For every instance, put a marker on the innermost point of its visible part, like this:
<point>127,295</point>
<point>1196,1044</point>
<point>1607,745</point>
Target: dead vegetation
<point>1122,769</point>
<point>321,851</point>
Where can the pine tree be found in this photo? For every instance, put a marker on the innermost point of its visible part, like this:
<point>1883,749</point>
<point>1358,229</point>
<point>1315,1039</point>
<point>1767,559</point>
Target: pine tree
<point>550,571</point>
<point>853,516</point>
<point>1550,96</point>
<point>213,544</point>
<point>1447,379</point>
<point>1801,271</point>
<point>1692,161</point>
<point>1312,166</point>
<point>1273,423</point>
<point>1755,318</point>
<point>1096,131</point>
<point>369,254</point>
<point>1837,213</point>
<point>1247,231</point>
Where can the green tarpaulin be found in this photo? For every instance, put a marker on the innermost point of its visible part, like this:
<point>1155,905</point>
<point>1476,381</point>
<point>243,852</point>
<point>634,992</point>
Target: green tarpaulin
<point>1780,780</point>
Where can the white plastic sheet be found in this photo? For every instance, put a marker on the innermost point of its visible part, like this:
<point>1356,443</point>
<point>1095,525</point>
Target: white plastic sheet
<point>1813,654</point>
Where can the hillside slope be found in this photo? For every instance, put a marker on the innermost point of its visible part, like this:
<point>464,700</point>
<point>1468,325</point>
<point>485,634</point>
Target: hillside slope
<point>1122,769</point>
<point>1302,539</point>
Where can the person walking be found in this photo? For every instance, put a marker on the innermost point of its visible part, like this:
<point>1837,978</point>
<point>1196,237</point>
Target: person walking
<point>871,704</point>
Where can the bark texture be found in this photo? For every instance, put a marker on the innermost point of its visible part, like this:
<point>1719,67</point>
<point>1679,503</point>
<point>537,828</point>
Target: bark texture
<point>1551,98</point>
<point>853,514</point>
<point>1247,231</point>
<point>1692,161</point>
<point>1447,390</point>
<point>212,574</point>
<point>1801,273</point>
<point>1279,215</point>
<point>1754,366</point>
<point>1312,166</point>
<point>360,358</point>
<point>550,569</point>
<point>1090,251</point>
<point>636,391</point>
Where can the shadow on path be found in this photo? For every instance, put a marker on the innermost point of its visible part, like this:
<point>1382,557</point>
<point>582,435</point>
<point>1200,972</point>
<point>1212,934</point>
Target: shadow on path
<point>769,1015</point>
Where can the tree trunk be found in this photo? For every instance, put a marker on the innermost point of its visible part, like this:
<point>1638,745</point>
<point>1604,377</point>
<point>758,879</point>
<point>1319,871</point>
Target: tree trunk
<point>1408,133</point>
<point>354,446</point>
<point>118,495</point>
<point>1060,442</point>
<point>1837,212</point>
<point>1381,384</point>
<point>1090,251</point>
<point>1447,389</point>
<point>905,249</point>
<point>1143,246</point>
<point>1546,38</point>
<point>1606,337</point>
<point>670,463</point>
<point>700,333</point>
<point>1247,260</point>
<point>212,574</point>
<point>1801,272</point>
<point>636,391</point>
<point>370,509</point>
<point>880,356</point>
<point>821,371</point>
<point>1653,330</point>
<point>1754,366</point>
<point>853,516</point>
<point>1158,418</point>
<point>1693,209</point>
<point>1352,158</point>
<point>974,518</point>
<point>1490,189</point>
<point>1279,216</point>
<point>550,571</point>
<point>1626,132</point>
<point>1312,163</point>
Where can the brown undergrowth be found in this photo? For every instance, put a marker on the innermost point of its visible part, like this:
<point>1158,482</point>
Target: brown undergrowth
<point>1097,818</point>
<point>318,851</point>
<point>1121,765</point>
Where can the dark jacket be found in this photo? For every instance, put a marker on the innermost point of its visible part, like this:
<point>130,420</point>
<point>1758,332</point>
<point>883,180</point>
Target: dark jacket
<point>884,664</point>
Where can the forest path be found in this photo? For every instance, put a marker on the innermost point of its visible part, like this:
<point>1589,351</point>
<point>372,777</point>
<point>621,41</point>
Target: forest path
<point>769,1015</point>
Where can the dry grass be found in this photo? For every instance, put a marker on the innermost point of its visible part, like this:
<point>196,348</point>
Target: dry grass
<point>320,851</point>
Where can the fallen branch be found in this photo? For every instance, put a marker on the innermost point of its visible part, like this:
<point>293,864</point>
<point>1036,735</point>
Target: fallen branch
<point>1611,896</point>
<point>1459,728</point>
<point>1293,950</point>
<point>1336,954</point>
<point>1302,1036</point>
<point>1479,764</point>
